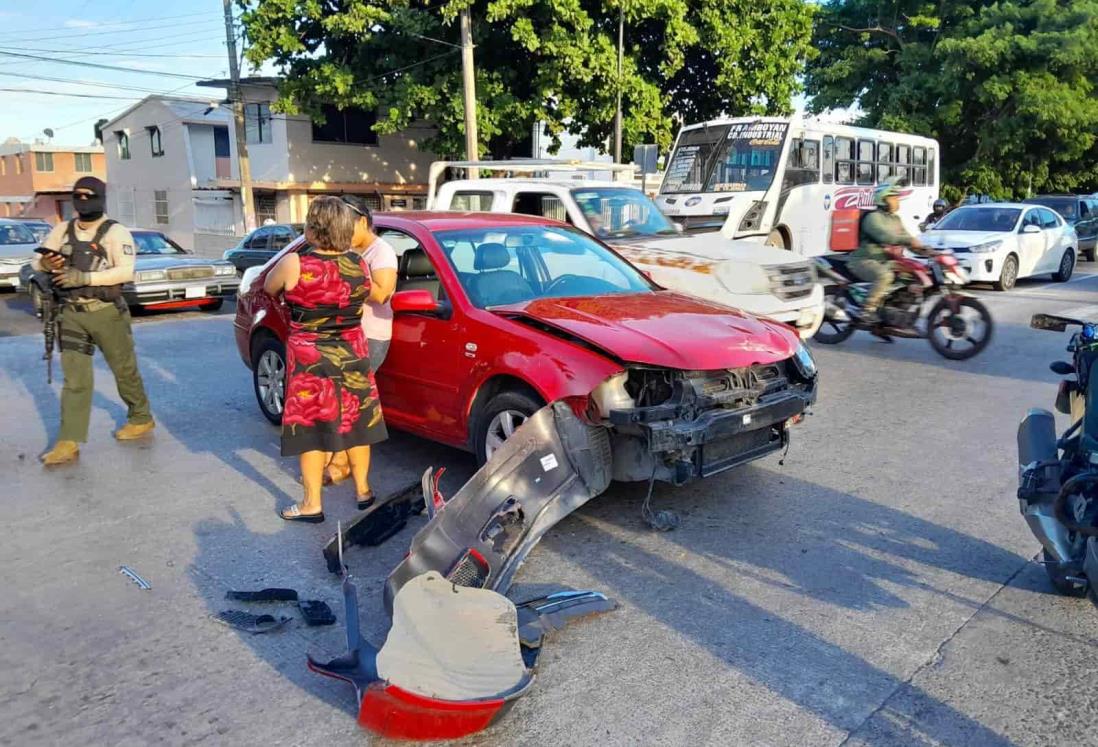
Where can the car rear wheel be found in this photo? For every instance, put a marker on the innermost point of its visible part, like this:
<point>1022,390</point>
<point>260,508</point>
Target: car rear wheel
<point>1009,274</point>
<point>1067,266</point>
<point>499,419</point>
<point>269,379</point>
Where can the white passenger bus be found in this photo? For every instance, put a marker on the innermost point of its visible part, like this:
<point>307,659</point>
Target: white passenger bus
<point>797,184</point>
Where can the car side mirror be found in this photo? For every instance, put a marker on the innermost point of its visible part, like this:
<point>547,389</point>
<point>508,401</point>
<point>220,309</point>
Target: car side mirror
<point>418,302</point>
<point>1062,368</point>
<point>1030,228</point>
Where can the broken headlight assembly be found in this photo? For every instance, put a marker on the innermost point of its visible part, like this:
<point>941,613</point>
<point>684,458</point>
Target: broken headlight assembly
<point>805,363</point>
<point>612,395</point>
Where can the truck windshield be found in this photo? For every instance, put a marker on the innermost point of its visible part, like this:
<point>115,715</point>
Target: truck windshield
<point>620,213</point>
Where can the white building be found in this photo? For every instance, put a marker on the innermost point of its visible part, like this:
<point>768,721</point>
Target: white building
<point>172,164</point>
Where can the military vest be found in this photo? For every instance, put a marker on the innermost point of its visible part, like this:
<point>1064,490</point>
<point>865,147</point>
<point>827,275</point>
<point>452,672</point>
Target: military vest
<point>88,256</point>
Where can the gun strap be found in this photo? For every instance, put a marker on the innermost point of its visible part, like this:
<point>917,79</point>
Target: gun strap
<point>76,341</point>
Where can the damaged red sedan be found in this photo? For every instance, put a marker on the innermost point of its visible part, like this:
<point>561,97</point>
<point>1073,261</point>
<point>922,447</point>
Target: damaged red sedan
<point>497,315</point>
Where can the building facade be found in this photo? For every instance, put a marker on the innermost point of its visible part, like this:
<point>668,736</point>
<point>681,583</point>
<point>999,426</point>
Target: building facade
<point>172,165</point>
<point>36,178</point>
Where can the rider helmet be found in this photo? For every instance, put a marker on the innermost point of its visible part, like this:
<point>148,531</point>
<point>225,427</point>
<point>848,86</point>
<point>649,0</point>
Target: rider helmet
<point>940,206</point>
<point>888,188</point>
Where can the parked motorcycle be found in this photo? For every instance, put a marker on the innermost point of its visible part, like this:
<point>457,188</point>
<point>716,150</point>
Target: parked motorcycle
<point>958,326</point>
<point>1058,477</point>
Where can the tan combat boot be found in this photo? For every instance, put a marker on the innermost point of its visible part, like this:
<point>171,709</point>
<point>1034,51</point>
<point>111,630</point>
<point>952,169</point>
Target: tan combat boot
<point>62,452</point>
<point>131,431</point>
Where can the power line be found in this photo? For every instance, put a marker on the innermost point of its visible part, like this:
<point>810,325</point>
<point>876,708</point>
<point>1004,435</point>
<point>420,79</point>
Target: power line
<point>101,66</point>
<point>76,95</point>
<point>100,51</point>
<point>188,38</point>
<point>114,32</point>
<point>95,83</point>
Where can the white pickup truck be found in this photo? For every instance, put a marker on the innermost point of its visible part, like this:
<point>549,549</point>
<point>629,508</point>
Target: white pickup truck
<point>758,279</point>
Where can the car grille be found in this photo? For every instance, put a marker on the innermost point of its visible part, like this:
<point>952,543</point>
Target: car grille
<point>190,273</point>
<point>15,261</point>
<point>793,281</point>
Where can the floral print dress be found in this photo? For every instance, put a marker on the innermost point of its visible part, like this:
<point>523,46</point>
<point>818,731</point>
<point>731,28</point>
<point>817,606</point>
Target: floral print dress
<point>331,402</point>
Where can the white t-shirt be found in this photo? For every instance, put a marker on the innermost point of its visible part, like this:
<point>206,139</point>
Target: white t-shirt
<point>377,318</point>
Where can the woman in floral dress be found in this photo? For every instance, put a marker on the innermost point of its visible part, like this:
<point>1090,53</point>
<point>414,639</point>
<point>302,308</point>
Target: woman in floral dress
<point>331,404</point>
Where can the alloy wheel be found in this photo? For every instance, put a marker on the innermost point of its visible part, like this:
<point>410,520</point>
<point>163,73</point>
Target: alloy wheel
<point>271,381</point>
<point>501,428</point>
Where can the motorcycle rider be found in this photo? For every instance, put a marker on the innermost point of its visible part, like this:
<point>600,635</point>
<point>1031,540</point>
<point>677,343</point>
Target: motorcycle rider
<point>939,212</point>
<point>880,230</point>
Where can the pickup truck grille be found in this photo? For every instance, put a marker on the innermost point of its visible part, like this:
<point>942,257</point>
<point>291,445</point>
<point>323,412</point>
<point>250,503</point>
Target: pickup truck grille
<point>191,273</point>
<point>793,281</point>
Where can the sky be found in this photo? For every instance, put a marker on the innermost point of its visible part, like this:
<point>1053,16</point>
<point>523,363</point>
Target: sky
<point>155,49</point>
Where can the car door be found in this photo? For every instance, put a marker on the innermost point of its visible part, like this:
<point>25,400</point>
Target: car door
<point>1087,227</point>
<point>429,356</point>
<point>256,249</point>
<point>1055,230</point>
<point>1031,244</point>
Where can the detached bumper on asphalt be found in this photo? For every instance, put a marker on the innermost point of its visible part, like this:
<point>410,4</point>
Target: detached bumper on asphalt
<point>196,292</point>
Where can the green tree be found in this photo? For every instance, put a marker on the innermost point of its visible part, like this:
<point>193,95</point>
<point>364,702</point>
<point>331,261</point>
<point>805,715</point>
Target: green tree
<point>551,61</point>
<point>1007,87</point>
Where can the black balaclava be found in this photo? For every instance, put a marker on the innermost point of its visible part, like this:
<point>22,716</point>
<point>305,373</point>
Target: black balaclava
<point>89,206</point>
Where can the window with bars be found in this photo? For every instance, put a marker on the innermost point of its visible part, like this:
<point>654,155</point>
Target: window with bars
<point>123,144</point>
<point>844,160</point>
<point>43,161</point>
<point>160,206</point>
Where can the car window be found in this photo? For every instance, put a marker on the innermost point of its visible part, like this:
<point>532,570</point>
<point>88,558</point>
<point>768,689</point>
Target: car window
<point>1032,218</point>
<point>1085,209</point>
<point>543,204</point>
<point>471,202</point>
<point>281,236</point>
<point>13,233</point>
<point>1048,218</point>
<point>620,212</point>
<point>400,241</point>
<point>512,264</point>
<point>258,239</point>
<point>154,243</point>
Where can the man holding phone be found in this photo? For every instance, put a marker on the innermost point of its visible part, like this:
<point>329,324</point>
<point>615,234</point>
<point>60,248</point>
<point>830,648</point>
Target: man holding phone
<point>90,259</point>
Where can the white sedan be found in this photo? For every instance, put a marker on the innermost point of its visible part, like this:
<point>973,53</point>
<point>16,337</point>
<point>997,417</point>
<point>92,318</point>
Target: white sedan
<point>1001,242</point>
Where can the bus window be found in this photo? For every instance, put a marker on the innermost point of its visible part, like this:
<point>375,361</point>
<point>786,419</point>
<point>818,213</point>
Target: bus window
<point>884,161</point>
<point>828,159</point>
<point>918,164</point>
<point>804,163</point>
<point>931,167</point>
<point>844,160</point>
<point>865,162</point>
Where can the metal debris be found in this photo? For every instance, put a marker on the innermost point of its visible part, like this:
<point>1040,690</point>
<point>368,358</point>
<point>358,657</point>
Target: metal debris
<point>131,574</point>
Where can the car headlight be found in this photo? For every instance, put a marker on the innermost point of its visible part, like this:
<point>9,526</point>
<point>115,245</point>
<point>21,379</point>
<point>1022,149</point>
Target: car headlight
<point>145,276</point>
<point>986,247</point>
<point>805,363</point>
<point>743,277</point>
<point>225,270</point>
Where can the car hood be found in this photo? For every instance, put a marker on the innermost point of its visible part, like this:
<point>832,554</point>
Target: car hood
<point>664,328</point>
<point>959,239</point>
<point>17,251</point>
<point>157,262</point>
<point>700,252</point>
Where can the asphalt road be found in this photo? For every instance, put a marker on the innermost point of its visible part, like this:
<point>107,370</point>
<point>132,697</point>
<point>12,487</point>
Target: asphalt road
<point>877,589</point>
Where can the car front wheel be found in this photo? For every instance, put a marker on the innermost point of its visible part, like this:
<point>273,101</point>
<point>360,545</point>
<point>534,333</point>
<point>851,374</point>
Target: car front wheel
<point>269,379</point>
<point>499,419</point>
<point>1009,274</point>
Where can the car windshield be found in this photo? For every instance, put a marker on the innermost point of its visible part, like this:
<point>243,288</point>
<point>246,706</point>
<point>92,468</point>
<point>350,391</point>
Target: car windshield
<point>503,265</point>
<point>38,230</point>
<point>154,243</point>
<point>748,159</point>
<point>1065,207</point>
<point>1002,219</point>
<point>621,212</point>
<point>13,233</point>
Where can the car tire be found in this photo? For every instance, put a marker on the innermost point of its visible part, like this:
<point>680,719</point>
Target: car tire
<point>498,419</point>
<point>269,379</point>
<point>1067,266</point>
<point>1008,275</point>
<point>216,306</point>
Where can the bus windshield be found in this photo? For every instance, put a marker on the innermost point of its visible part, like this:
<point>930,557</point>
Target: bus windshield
<point>740,157</point>
<point>690,164</point>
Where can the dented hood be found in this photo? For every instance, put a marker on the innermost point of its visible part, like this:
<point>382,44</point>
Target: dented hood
<point>700,251</point>
<point>664,329</point>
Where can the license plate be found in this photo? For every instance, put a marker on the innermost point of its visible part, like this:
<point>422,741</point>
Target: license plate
<point>196,292</point>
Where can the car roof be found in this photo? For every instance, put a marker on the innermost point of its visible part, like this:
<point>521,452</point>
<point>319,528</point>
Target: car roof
<point>1019,205</point>
<point>453,221</point>
<point>520,182</point>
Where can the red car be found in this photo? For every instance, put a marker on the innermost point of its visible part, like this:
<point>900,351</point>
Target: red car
<point>497,315</point>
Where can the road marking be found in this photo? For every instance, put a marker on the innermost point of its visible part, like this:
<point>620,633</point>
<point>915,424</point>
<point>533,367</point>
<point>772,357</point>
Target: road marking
<point>1080,312</point>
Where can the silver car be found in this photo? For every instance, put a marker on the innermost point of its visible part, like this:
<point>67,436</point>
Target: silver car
<point>17,245</point>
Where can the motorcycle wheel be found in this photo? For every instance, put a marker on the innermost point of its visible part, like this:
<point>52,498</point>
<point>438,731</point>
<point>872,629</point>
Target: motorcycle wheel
<point>945,330</point>
<point>833,331</point>
<point>1057,579</point>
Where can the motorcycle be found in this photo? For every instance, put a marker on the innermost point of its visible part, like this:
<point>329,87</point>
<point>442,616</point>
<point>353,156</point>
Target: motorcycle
<point>1058,477</point>
<point>958,326</point>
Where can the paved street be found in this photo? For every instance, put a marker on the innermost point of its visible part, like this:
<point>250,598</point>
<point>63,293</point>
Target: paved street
<point>877,589</point>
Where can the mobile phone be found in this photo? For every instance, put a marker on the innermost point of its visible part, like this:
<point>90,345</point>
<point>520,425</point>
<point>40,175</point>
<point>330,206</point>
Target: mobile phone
<point>48,252</point>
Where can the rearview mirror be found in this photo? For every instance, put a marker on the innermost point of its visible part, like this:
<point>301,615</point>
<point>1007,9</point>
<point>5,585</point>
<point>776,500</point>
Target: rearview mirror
<point>1062,368</point>
<point>1048,322</point>
<point>1030,228</point>
<point>416,301</point>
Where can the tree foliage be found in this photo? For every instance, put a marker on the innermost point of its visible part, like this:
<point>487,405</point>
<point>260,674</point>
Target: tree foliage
<point>551,61</point>
<point>1007,87</point>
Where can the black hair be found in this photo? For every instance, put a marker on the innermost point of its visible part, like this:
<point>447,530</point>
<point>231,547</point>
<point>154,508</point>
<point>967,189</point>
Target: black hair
<point>360,207</point>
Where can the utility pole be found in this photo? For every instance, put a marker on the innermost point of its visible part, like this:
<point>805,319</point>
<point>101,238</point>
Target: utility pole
<point>236,97</point>
<point>621,55</point>
<point>470,86</point>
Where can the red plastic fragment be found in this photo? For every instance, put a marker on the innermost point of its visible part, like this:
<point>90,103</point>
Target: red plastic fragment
<point>391,712</point>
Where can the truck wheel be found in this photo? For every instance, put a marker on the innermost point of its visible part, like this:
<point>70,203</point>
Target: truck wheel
<point>776,239</point>
<point>500,418</point>
<point>269,379</point>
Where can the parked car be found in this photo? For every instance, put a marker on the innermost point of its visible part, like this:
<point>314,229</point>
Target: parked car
<point>497,315</point>
<point>1081,213</point>
<point>1001,242</point>
<point>262,244</point>
<point>17,245</point>
<point>761,280</point>
<point>166,276</point>
<point>37,226</point>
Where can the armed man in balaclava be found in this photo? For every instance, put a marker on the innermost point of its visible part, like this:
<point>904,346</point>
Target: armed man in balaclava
<point>91,257</point>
